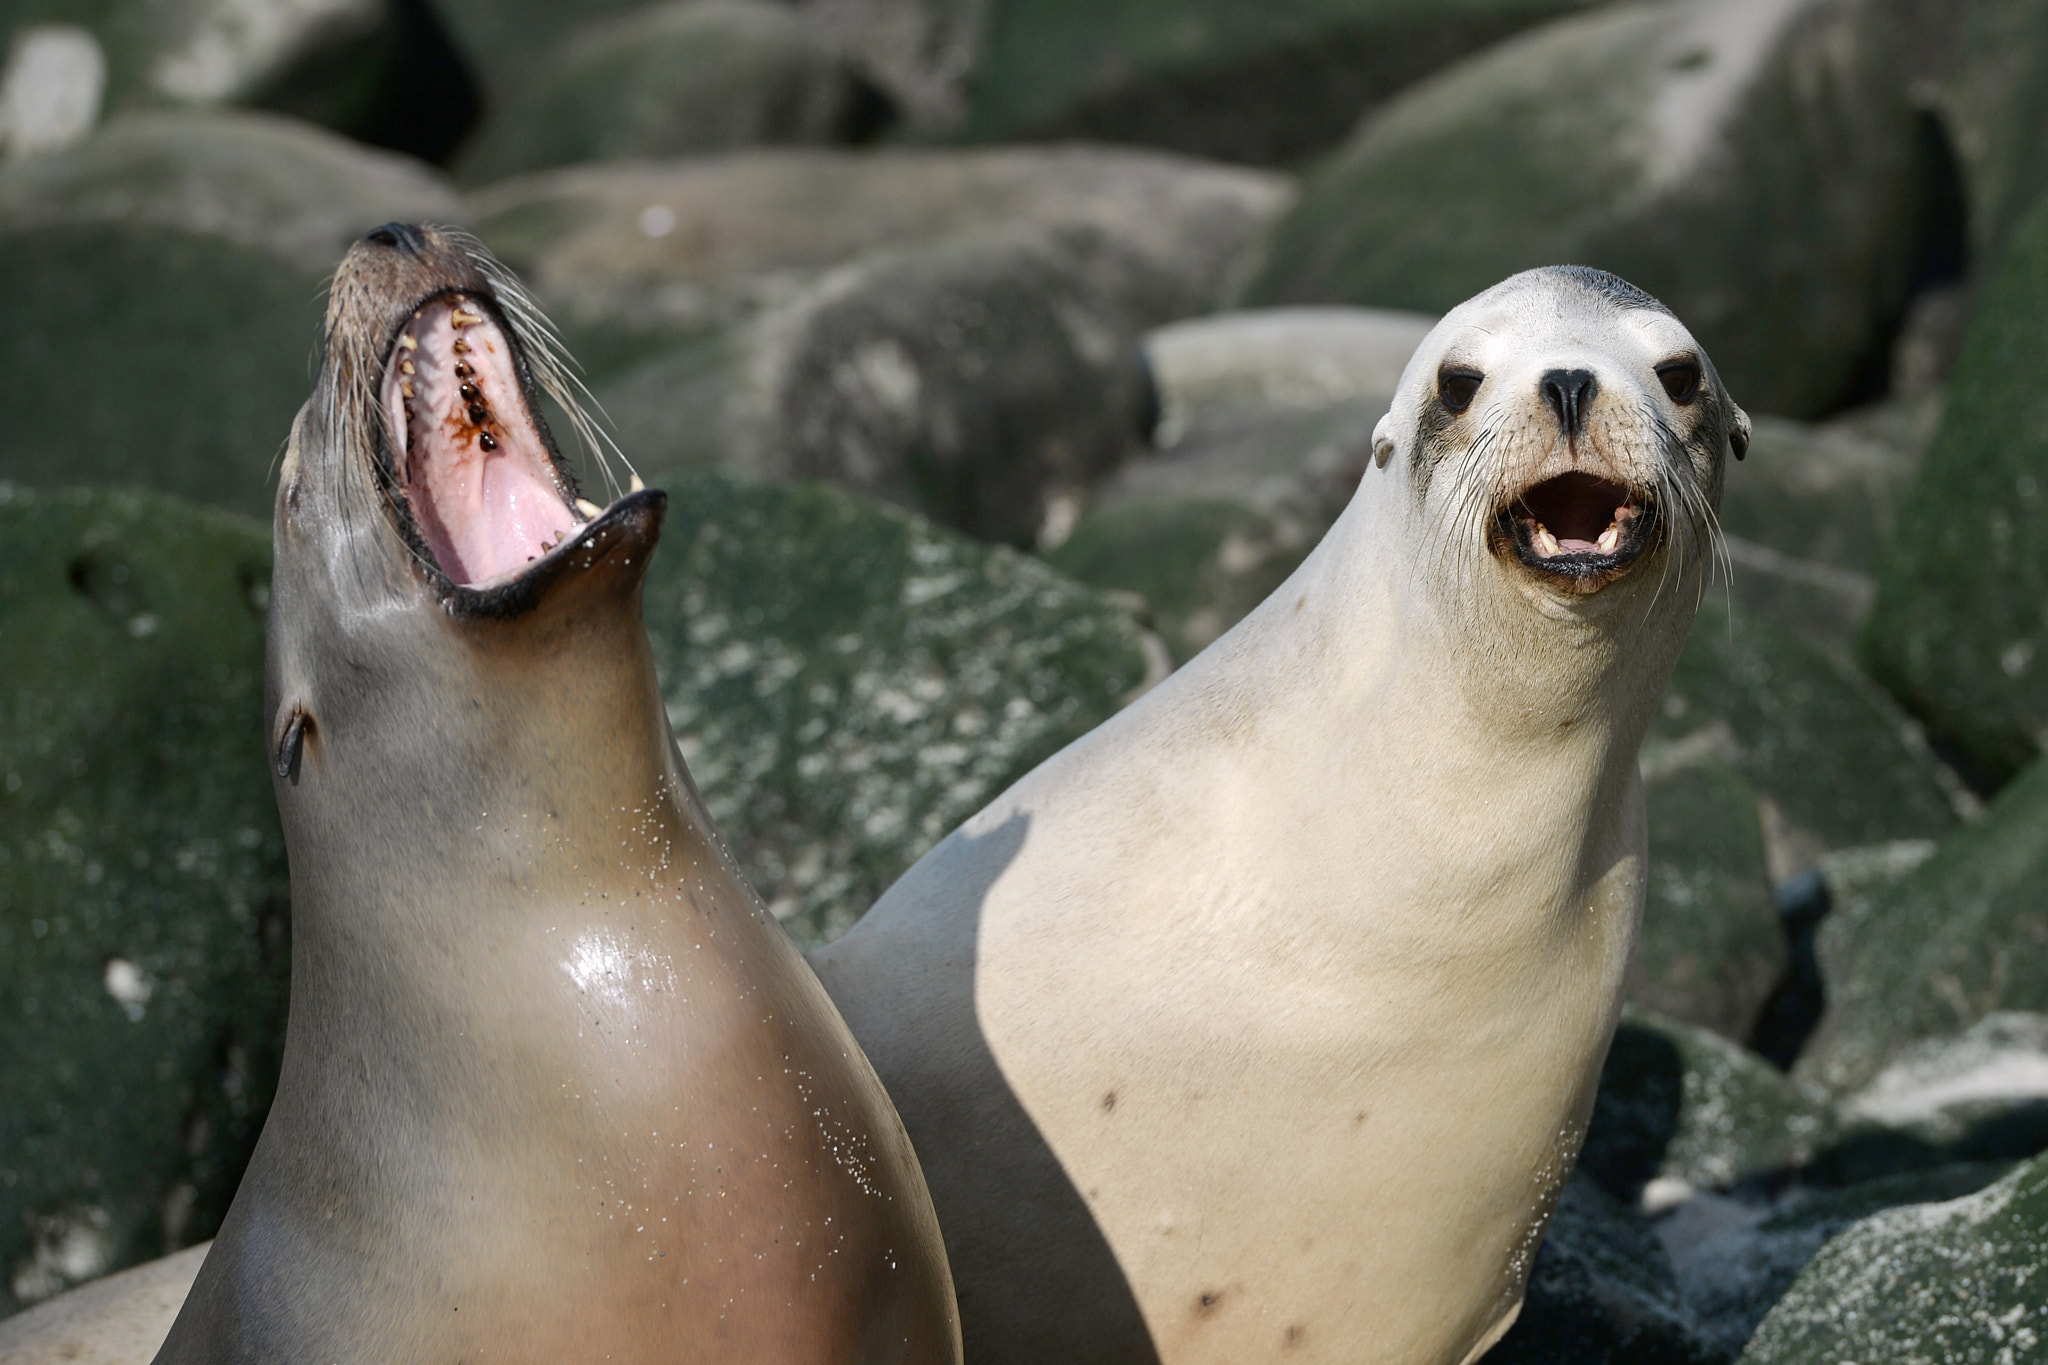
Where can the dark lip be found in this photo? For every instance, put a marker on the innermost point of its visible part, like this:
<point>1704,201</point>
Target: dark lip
<point>633,523</point>
<point>1515,530</point>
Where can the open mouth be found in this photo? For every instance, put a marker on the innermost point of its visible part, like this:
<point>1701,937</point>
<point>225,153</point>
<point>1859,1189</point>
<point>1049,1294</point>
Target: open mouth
<point>485,490</point>
<point>1578,526</point>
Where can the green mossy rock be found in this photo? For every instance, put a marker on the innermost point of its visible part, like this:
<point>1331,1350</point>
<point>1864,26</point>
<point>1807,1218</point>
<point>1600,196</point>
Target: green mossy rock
<point>1986,65</point>
<point>1711,948</point>
<point>1837,767</point>
<point>1235,79</point>
<point>143,923</point>
<point>1808,513</point>
<point>1679,1103</point>
<point>1955,1283</point>
<point>849,683</point>
<point>630,255</point>
<point>678,79</point>
<point>1963,935</point>
<point>1751,163</point>
<point>1961,619</point>
<point>982,382</point>
<point>162,287</point>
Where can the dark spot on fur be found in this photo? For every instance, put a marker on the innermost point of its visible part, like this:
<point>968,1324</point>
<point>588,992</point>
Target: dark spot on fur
<point>1109,1102</point>
<point>1295,1333</point>
<point>1207,1300</point>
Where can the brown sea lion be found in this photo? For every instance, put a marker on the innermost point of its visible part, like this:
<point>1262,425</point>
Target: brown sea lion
<point>1263,1022</point>
<point>555,1086</point>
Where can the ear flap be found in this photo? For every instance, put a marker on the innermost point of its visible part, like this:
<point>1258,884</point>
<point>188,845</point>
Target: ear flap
<point>1738,433</point>
<point>1383,441</point>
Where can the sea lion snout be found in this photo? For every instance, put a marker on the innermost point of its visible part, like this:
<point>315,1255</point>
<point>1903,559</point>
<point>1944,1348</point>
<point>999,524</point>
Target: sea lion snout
<point>1569,393</point>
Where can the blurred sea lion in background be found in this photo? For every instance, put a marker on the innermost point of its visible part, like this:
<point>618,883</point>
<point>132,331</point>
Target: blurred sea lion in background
<point>1264,1021</point>
<point>555,1086</point>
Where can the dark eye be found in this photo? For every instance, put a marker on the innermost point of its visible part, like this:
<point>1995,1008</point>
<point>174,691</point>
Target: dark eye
<point>1681,379</point>
<point>1455,387</point>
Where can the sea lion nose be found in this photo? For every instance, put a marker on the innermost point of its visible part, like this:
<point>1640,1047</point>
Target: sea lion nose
<point>1569,393</point>
<point>399,237</point>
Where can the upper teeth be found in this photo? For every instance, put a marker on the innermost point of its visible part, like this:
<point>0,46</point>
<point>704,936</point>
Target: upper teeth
<point>1546,543</point>
<point>1610,539</point>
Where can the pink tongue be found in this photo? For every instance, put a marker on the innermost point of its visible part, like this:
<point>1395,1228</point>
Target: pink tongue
<point>474,469</point>
<point>1576,547</point>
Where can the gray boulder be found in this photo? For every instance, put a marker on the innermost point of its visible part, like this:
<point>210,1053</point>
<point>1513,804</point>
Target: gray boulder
<point>1835,765</point>
<point>143,924</point>
<point>163,284</point>
<point>981,381</point>
<point>637,255</point>
<point>1956,1281</point>
<point>1222,78</point>
<point>1265,427</point>
<point>1807,515</point>
<point>1956,939</point>
<point>677,79</point>
<point>1752,163</point>
<point>1711,950</point>
<point>1959,632</point>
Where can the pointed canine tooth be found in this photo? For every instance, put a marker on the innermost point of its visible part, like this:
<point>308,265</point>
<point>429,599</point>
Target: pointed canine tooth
<point>459,318</point>
<point>405,340</point>
<point>1610,539</point>
<point>633,485</point>
<point>405,367</point>
<point>590,510</point>
<point>1546,543</point>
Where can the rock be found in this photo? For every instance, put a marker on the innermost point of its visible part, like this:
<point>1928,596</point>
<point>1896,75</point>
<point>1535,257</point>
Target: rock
<point>1212,369</point>
<point>1983,66</point>
<point>1806,514</point>
<point>1242,82</point>
<point>1961,617</point>
<point>1711,950</point>
<point>678,79</point>
<point>1835,765</point>
<point>1266,425</point>
<point>163,286</point>
<point>979,381</point>
<point>378,70</point>
<point>143,922</point>
<point>51,89</point>
<point>920,51</point>
<point>849,682</point>
<point>1602,1293</point>
<point>1752,163</point>
<point>632,255</point>
<point>120,1320</point>
<point>1980,1094</point>
<point>1961,936</point>
<point>1682,1109</point>
<point>1733,1259</point>
<point>1957,1281</point>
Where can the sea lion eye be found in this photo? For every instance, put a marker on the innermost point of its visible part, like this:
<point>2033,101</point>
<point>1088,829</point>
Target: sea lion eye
<point>1681,379</point>
<point>1455,386</point>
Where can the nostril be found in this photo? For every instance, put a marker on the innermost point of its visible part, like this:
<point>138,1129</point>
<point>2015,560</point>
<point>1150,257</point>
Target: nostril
<point>1570,393</point>
<point>398,236</point>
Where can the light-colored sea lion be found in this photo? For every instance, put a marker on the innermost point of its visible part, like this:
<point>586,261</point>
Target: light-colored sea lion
<point>1264,1021</point>
<point>555,1087</point>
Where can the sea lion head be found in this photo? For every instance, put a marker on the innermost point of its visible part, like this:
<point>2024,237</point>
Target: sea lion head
<point>422,498</point>
<point>1566,427</point>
